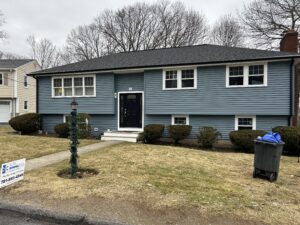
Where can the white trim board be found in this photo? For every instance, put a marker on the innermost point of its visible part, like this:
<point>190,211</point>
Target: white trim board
<point>130,128</point>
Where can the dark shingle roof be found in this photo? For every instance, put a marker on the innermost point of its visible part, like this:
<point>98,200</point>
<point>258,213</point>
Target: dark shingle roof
<point>198,54</point>
<point>13,63</point>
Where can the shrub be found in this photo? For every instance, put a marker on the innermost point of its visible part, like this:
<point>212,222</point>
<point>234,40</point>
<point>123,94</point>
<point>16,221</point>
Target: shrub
<point>84,125</point>
<point>179,132</point>
<point>152,132</point>
<point>208,136</point>
<point>26,124</point>
<point>291,137</point>
<point>244,139</point>
<point>62,130</point>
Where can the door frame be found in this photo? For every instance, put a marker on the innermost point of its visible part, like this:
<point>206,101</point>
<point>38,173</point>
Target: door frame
<point>130,128</point>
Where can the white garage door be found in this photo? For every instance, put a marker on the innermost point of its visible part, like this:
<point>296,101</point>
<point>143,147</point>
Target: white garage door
<point>4,112</point>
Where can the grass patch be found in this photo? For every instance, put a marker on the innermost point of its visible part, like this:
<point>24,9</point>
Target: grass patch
<point>14,146</point>
<point>161,176</point>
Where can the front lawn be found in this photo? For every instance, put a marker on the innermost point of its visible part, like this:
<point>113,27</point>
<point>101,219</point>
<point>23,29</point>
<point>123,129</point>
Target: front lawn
<point>14,146</point>
<point>161,178</point>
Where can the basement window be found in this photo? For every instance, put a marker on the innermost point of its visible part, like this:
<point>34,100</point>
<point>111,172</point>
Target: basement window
<point>180,120</point>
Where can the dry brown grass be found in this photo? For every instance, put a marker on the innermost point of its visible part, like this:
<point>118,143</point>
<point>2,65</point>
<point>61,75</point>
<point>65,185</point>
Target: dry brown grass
<point>159,176</point>
<point>14,146</point>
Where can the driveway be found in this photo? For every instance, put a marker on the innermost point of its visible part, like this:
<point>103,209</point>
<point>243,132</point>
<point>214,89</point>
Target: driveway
<point>10,218</point>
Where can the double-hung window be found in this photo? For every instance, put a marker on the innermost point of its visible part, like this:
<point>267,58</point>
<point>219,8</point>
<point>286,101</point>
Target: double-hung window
<point>236,76</point>
<point>248,75</point>
<point>78,86</point>
<point>256,75</point>
<point>25,81</point>
<point>245,123</point>
<point>171,79</point>
<point>57,87</point>
<point>179,79</point>
<point>68,90</point>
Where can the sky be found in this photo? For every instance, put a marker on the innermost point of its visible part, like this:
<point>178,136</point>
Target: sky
<point>54,19</point>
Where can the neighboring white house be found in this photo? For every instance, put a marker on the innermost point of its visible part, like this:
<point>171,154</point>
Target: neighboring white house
<point>17,90</point>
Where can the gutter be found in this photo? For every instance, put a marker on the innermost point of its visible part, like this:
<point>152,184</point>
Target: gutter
<point>292,88</point>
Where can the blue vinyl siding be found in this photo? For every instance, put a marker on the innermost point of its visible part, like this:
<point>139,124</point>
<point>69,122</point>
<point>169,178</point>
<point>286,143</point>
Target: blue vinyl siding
<point>268,122</point>
<point>103,122</point>
<point>49,122</point>
<point>224,124</point>
<point>212,97</point>
<point>134,81</point>
<point>103,103</point>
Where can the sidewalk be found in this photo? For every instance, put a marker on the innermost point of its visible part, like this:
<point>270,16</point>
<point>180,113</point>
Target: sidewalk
<point>60,156</point>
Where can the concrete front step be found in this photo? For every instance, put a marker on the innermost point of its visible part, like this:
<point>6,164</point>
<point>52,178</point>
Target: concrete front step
<point>128,139</point>
<point>120,136</point>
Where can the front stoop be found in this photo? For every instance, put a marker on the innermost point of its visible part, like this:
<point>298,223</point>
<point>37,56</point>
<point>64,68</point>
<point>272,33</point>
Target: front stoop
<point>129,136</point>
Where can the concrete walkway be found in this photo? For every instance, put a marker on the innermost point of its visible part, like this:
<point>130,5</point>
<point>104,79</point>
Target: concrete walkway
<point>46,160</point>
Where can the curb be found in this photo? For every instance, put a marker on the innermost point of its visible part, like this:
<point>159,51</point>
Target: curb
<point>52,216</point>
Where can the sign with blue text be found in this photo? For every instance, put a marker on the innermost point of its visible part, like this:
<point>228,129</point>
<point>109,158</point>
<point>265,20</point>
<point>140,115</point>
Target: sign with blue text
<point>12,172</point>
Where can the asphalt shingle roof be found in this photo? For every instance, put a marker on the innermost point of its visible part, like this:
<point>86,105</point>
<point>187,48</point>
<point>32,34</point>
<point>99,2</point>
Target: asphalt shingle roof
<point>13,63</point>
<point>198,54</point>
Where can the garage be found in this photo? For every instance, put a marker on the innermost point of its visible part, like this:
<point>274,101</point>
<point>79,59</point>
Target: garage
<point>4,111</point>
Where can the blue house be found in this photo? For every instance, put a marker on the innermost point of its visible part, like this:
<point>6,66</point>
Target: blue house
<point>228,88</point>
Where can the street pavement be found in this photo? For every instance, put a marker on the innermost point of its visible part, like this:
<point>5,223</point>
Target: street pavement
<point>10,218</point>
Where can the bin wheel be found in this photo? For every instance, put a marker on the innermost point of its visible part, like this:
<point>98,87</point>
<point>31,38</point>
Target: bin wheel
<point>272,177</point>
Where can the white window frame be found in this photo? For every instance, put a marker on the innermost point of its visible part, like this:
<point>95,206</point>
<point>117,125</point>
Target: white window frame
<point>65,118</point>
<point>236,126</point>
<point>246,75</point>
<point>2,78</point>
<point>73,88</point>
<point>179,78</point>
<point>187,117</point>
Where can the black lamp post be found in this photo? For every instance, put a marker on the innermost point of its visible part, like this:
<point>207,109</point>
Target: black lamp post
<point>74,138</point>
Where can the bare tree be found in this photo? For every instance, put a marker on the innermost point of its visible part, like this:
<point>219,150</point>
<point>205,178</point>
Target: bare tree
<point>44,51</point>
<point>179,26</point>
<point>3,34</point>
<point>228,32</point>
<point>83,43</point>
<point>267,20</point>
<point>143,26</point>
<point>8,55</point>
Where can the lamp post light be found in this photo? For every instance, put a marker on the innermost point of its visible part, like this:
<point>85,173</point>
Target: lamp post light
<point>74,138</point>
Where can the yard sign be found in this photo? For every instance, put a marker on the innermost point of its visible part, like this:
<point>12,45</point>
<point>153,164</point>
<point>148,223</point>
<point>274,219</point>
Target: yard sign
<point>12,172</point>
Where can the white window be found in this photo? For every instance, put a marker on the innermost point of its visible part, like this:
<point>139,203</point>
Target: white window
<point>248,75</point>
<point>171,79</point>
<point>179,79</point>
<point>180,120</point>
<point>245,123</point>
<point>256,75</point>
<point>78,86</point>
<point>1,79</point>
<point>25,105</point>
<point>25,81</point>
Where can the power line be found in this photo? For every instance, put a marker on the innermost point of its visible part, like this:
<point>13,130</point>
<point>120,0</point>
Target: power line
<point>22,82</point>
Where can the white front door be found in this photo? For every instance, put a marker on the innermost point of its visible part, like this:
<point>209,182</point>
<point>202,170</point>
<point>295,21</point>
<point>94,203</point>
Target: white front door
<point>4,111</point>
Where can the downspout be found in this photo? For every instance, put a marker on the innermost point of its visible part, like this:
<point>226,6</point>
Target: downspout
<point>292,68</point>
